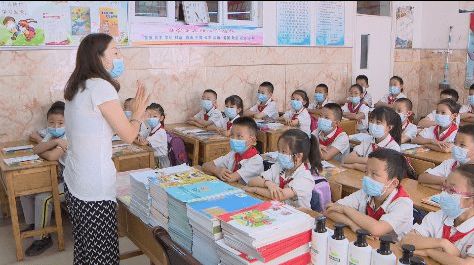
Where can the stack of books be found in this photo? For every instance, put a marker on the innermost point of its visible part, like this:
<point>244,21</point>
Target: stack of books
<point>140,201</point>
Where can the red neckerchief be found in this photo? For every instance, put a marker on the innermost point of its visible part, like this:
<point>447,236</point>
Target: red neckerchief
<point>151,133</point>
<point>454,166</point>
<point>229,125</point>
<point>391,99</point>
<point>246,155</point>
<point>352,109</point>
<point>401,193</point>
<point>283,182</point>
<point>206,117</point>
<point>454,238</point>
<point>450,130</point>
<point>262,107</point>
<point>330,140</point>
<point>376,146</point>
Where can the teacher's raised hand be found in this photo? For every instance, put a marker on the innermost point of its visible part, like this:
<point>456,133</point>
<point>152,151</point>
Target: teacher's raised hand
<point>140,103</point>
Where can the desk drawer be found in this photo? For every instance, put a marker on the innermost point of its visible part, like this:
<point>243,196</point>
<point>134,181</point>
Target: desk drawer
<point>211,151</point>
<point>32,180</point>
<point>123,164</point>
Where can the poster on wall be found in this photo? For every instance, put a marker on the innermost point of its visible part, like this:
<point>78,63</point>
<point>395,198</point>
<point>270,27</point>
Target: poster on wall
<point>470,55</point>
<point>293,23</point>
<point>404,27</point>
<point>330,23</point>
<point>20,24</point>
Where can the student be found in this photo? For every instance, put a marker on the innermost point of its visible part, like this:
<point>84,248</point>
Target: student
<point>243,161</point>
<point>157,137</point>
<point>234,107</point>
<point>298,116</point>
<point>395,92</point>
<point>382,206</point>
<point>467,113</point>
<point>356,109</point>
<point>429,120</point>
<point>440,137</point>
<point>266,107</point>
<point>321,93</point>
<point>291,178</point>
<point>462,153</point>
<point>363,81</point>
<point>37,136</point>
<point>333,141</point>
<point>37,207</point>
<point>209,114</point>
<point>386,130</point>
<point>404,106</point>
<point>127,107</point>
<point>447,236</point>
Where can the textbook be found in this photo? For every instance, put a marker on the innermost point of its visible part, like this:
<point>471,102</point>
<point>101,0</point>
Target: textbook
<point>17,148</point>
<point>140,202</point>
<point>432,200</point>
<point>21,159</point>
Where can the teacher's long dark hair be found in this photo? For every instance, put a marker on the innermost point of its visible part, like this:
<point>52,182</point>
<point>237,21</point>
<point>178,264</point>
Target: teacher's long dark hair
<point>89,64</point>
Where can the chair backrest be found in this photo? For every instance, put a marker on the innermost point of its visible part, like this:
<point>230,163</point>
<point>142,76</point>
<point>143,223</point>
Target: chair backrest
<point>336,191</point>
<point>420,166</point>
<point>175,254</point>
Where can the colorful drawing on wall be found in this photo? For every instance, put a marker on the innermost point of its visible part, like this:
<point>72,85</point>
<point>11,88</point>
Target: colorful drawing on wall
<point>108,19</point>
<point>80,20</point>
<point>470,55</point>
<point>330,23</point>
<point>293,23</point>
<point>404,27</point>
<point>55,31</point>
<point>18,27</point>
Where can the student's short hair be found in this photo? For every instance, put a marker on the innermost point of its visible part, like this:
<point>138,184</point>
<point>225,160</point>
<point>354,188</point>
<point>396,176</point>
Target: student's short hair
<point>399,79</point>
<point>302,94</point>
<point>326,88</point>
<point>467,129</point>
<point>236,100</point>
<point>405,101</point>
<point>450,92</point>
<point>56,108</point>
<point>159,108</point>
<point>453,106</point>
<point>248,123</point>
<point>359,87</point>
<point>397,164</point>
<point>471,87</point>
<point>210,91</point>
<point>336,110</point>
<point>128,100</point>
<point>268,85</point>
<point>363,77</point>
<point>467,170</point>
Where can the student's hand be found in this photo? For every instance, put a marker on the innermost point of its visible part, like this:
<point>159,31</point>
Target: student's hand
<point>335,207</point>
<point>231,177</point>
<point>354,227</point>
<point>142,141</point>
<point>221,173</point>
<point>421,252</point>
<point>140,103</point>
<point>61,143</point>
<point>446,146</point>
<point>249,189</point>
<point>323,148</point>
<point>351,166</point>
<point>275,191</point>
<point>449,247</point>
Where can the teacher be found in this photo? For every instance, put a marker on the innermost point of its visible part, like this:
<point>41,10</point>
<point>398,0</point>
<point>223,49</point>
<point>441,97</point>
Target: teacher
<point>92,114</point>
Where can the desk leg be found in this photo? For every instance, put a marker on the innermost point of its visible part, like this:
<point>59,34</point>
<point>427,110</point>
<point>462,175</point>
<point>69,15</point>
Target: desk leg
<point>152,160</point>
<point>57,208</point>
<point>196,153</point>
<point>14,216</point>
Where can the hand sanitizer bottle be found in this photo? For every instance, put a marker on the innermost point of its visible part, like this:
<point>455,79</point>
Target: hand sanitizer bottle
<point>319,242</point>
<point>360,252</point>
<point>383,255</point>
<point>338,246</point>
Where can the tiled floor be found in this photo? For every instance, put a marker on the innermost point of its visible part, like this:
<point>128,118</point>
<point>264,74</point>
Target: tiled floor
<point>52,256</point>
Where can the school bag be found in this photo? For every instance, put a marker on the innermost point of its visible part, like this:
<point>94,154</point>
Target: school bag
<point>176,150</point>
<point>314,123</point>
<point>321,195</point>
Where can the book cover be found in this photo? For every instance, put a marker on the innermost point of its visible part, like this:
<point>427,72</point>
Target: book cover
<point>201,191</point>
<point>227,204</point>
<point>185,178</point>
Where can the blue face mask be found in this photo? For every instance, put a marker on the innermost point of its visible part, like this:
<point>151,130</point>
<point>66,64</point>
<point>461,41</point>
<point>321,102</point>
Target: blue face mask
<point>394,90</point>
<point>451,204</point>
<point>285,161</point>
<point>56,132</point>
<point>296,105</point>
<point>231,113</point>
<point>372,188</point>
<point>238,146</point>
<point>262,97</point>
<point>443,120</point>
<point>118,68</point>
<point>152,122</point>
<point>206,104</point>
<point>355,100</point>
<point>319,97</point>
<point>128,114</point>
<point>471,99</point>
<point>324,125</point>
<point>460,154</point>
<point>376,130</point>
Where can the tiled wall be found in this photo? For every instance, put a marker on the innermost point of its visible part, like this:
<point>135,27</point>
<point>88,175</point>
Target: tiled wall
<point>31,80</point>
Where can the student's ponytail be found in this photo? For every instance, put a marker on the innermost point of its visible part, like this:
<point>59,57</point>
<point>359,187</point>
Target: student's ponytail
<point>315,155</point>
<point>299,142</point>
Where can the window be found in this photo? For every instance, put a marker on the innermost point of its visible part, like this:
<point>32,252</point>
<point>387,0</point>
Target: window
<point>151,8</point>
<point>241,13</point>
<point>375,8</point>
<point>213,9</point>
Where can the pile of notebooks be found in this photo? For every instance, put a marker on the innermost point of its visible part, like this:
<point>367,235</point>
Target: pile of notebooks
<point>140,201</point>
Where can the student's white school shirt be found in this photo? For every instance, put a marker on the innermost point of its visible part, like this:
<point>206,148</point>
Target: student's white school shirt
<point>249,168</point>
<point>90,172</point>
<point>443,169</point>
<point>385,97</point>
<point>367,97</point>
<point>316,105</point>
<point>410,130</point>
<point>303,117</point>
<point>431,117</point>
<point>365,147</point>
<point>432,226</point>
<point>215,116</point>
<point>144,130</point>
<point>364,123</point>
<point>48,137</point>
<point>271,109</point>
<point>428,133</point>
<point>341,143</point>
<point>158,141</point>
<point>465,109</point>
<point>231,122</point>
<point>302,183</point>
<point>399,213</point>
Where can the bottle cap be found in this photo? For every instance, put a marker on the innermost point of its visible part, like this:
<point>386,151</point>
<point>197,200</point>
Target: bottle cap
<point>320,224</point>
<point>415,260</point>
<point>361,238</point>
<point>407,253</point>
<point>385,242</point>
<point>339,231</point>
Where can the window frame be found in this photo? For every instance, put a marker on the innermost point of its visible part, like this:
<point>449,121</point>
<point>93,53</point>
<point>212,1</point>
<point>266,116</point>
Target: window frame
<point>170,14</point>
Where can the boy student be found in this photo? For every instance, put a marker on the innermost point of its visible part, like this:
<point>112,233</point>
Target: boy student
<point>266,107</point>
<point>404,106</point>
<point>363,81</point>
<point>243,162</point>
<point>321,93</point>
<point>37,136</point>
<point>209,114</point>
<point>466,112</point>
<point>333,141</point>
<point>429,120</point>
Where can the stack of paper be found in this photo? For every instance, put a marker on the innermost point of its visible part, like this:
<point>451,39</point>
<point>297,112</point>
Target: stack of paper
<point>404,147</point>
<point>19,159</point>
<point>17,148</point>
<point>140,202</point>
<point>267,231</point>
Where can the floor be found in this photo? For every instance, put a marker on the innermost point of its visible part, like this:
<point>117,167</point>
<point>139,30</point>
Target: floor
<point>52,256</point>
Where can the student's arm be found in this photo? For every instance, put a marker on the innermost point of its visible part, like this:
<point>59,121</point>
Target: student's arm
<point>354,116</point>
<point>36,137</point>
<point>44,146</point>
<point>426,123</point>
<point>356,166</point>
<point>257,182</point>
<point>354,158</point>
<point>427,178</point>
<point>195,123</point>
<point>250,113</point>
<point>447,259</point>
<point>422,140</point>
<point>329,153</point>
<point>440,147</point>
<point>53,154</point>
<point>405,138</point>
<point>213,127</point>
<point>334,212</point>
<point>375,228</point>
<point>211,169</point>
<point>423,242</point>
<point>260,115</point>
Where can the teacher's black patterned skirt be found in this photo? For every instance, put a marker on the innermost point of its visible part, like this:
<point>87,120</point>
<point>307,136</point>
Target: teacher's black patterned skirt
<point>94,228</point>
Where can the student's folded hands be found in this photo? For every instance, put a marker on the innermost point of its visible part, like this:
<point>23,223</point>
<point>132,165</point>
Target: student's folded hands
<point>335,207</point>
<point>275,191</point>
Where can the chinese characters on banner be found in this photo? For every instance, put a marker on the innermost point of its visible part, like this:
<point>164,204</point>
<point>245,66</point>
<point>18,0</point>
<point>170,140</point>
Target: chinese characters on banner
<point>404,22</point>
<point>330,23</point>
<point>293,23</point>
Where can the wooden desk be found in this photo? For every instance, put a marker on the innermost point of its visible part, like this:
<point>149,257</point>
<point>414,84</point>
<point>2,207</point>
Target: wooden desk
<point>430,156</point>
<point>26,179</point>
<point>132,157</point>
<point>349,126</point>
<point>273,136</point>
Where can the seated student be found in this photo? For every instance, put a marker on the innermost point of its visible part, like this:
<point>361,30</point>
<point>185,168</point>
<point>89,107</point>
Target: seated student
<point>356,108</point>
<point>441,137</point>
<point>404,106</point>
<point>429,120</point>
<point>157,137</point>
<point>462,153</point>
<point>382,206</point>
<point>321,93</point>
<point>234,107</point>
<point>467,113</point>
<point>333,141</point>
<point>386,130</point>
<point>243,161</point>
<point>363,81</point>
<point>291,178</point>
<point>209,114</point>
<point>447,236</point>
<point>298,116</point>
<point>266,107</point>
<point>37,136</point>
<point>127,107</point>
<point>395,92</point>
<point>37,208</point>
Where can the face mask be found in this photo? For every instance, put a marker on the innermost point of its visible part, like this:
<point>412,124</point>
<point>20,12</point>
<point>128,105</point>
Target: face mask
<point>206,104</point>
<point>403,117</point>
<point>238,146</point>
<point>460,154</point>
<point>262,97</point>
<point>296,105</point>
<point>319,97</point>
<point>376,130</point>
<point>451,204</point>
<point>56,132</point>
<point>128,114</point>
<point>230,113</point>
<point>285,161</point>
<point>443,120</point>
<point>471,99</point>
<point>372,187</point>
<point>152,122</point>
<point>355,100</point>
<point>118,68</point>
<point>394,90</point>
<point>324,125</point>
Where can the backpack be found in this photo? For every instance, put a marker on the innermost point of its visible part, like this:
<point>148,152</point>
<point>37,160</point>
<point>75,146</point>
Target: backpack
<point>176,150</point>
<point>321,195</point>
<point>314,123</point>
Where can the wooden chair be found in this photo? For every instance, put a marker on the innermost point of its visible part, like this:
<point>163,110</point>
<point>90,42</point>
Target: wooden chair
<point>420,166</point>
<point>175,254</point>
<point>336,191</point>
